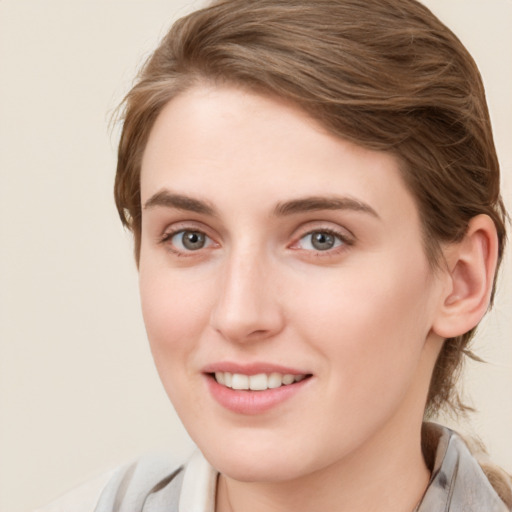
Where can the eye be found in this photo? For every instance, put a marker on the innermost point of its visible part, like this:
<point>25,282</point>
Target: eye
<point>321,240</point>
<point>188,240</point>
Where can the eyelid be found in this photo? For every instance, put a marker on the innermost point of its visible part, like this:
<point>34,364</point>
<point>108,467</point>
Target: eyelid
<point>183,226</point>
<point>346,237</point>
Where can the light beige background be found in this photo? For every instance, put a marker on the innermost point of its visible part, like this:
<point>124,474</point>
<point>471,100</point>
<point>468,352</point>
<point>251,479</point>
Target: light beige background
<point>78,392</point>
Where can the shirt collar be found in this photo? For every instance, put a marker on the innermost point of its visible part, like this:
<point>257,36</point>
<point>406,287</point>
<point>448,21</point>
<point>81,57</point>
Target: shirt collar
<point>457,483</point>
<point>199,485</point>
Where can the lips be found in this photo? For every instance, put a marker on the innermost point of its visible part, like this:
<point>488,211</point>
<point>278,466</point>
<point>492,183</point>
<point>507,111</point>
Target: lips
<point>253,389</point>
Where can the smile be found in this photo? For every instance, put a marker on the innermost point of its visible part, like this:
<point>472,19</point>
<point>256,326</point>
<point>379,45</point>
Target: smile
<point>254,389</point>
<point>259,382</point>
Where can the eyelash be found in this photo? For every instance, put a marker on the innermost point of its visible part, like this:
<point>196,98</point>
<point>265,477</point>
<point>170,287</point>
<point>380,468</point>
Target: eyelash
<point>168,236</point>
<point>344,242</point>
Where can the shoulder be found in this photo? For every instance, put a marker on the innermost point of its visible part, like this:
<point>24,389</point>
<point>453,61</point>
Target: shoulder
<point>148,479</point>
<point>125,488</point>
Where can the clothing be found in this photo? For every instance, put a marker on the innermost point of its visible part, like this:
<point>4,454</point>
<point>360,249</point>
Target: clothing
<point>458,484</point>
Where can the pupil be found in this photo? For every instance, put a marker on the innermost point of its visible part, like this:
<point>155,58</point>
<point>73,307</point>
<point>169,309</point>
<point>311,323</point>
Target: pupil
<point>193,240</point>
<point>322,241</point>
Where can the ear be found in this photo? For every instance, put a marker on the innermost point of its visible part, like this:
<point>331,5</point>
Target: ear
<point>471,265</point>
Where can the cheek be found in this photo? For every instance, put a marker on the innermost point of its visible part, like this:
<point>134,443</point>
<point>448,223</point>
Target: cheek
<point>371,300</point>
<point>371,326</point>
<point>175,313</point>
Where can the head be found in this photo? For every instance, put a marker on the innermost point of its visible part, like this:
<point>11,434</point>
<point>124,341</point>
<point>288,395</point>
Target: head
<point>385,75</point>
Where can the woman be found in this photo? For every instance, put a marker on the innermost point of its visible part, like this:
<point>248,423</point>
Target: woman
<point>314,196</point>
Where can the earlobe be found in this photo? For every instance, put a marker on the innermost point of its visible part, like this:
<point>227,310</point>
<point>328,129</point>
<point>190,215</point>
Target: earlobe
<point>470,274</point>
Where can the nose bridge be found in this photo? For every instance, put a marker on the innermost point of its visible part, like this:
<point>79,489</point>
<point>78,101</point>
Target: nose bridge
<point>247,306</point>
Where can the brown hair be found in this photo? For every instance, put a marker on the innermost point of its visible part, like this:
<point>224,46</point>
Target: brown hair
<point>385,74</point>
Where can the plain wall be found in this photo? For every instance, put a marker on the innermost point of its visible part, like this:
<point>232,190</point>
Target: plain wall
<point>78,391</point>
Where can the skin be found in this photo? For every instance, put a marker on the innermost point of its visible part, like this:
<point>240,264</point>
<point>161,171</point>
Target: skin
<point>359,318</point>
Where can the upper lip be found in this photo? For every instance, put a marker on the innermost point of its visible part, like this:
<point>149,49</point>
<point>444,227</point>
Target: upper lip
<point>251,368</point>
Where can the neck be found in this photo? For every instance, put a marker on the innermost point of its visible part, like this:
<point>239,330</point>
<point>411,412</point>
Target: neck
<point>387,474</point>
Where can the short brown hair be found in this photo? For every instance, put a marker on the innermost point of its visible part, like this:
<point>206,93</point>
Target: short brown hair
<point>385,74</point>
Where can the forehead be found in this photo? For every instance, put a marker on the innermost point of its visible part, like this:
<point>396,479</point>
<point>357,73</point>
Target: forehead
<point>221,142</point>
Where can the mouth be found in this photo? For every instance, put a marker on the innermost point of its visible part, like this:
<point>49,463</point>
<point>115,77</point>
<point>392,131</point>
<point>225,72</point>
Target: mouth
<point>257,382</point>
<point>254,389</point>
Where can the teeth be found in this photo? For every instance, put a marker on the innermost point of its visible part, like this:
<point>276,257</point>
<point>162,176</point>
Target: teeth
<point>258,382</point>
<point>275,380</point>
<point>288,379</point>
<point>240,381</point>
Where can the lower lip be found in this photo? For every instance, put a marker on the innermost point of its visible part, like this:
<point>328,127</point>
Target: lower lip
<point>252,402</point>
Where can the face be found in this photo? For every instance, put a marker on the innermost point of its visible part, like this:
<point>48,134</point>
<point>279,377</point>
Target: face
<point>285,289</point>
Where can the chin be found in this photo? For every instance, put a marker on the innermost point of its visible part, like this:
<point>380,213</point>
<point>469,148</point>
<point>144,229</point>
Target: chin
<point>262,459</point>
<point>266,469</point>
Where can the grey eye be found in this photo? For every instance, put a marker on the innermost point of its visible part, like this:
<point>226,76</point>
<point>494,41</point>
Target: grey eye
<point>320,241</point>
<point>189,240</point>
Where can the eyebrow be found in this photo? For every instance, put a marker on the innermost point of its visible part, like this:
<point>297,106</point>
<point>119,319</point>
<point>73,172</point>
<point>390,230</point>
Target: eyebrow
<point>167,199</point>
<point>180,202</point>
<point>315,203</point>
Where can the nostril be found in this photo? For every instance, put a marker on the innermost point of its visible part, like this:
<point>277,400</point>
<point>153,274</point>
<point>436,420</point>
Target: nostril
<point>258,333</point>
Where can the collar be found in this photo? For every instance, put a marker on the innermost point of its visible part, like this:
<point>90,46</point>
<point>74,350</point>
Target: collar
<point>458,483</point>
<point>199,485</point>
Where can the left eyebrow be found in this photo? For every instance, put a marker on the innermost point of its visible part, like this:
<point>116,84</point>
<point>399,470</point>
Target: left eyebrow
<point>314,203</point>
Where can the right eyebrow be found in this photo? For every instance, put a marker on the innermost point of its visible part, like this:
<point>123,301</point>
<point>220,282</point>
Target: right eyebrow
<point>167,199</point>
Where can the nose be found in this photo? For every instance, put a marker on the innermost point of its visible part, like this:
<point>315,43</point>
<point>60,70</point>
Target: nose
<point>247,307</point>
